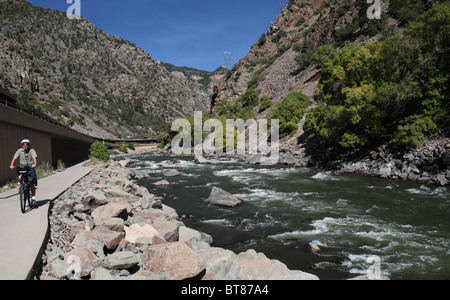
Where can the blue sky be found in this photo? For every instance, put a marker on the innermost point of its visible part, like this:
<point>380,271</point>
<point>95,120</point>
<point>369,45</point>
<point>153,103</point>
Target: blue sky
<point>193,33</point>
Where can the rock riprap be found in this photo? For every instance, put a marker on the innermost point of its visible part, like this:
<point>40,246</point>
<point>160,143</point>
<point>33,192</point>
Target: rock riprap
<point>106,227</point>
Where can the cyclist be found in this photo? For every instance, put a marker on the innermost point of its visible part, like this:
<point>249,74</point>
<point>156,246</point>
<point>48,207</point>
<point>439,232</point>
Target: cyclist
<point>27,157</point>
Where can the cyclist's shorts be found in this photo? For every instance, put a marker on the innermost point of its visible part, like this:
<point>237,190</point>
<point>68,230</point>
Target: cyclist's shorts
<point>34,176</point>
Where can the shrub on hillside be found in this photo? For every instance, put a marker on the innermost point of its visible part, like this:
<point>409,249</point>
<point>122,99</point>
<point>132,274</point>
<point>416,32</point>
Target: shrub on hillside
<point>131,146</point>
<point>290,112</point>
<point>123,148</point>
<point>266,102</point>
<point>99,151</point>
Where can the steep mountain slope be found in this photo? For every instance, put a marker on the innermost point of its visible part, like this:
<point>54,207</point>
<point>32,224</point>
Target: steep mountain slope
<point>100,84</point>
<point>353,94</point>
<point>278,63</point>
<point>204,80</point>
<point>289,58</point>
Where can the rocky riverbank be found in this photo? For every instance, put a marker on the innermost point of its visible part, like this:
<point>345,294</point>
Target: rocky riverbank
<point>106,227</point>
<point>428,164</point>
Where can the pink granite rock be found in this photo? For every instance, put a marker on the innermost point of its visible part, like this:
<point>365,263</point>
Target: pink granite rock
<point>177,261</point>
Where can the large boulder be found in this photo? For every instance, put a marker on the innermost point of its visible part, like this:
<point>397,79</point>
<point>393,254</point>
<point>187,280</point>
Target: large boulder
<point>161,183</point>
<point>110,239</point>
<point>94,199</point>
<point>136,231</point>
<point>113,224</point>
<point>115,191</point>
<point>199,159</point>
<point>255,266</point>
<point>111,210</point>
<point>169,212</point>
<point>255,159</point>
<point>139,174</point>
<point>59,269</point>
<point>122,260</point>
<point>168,229</point>
<point>197,239</point>
<point>101,274</point>
<point>96,247</point>
<point>441,179</point>
<point>124,202</point>
<point>385,171</point>
<point>218,262</point>
<point>177,261</point>
<point>125,162</point>
<point>314,248</point>
<point>171,173</point>
<point>81,237</point>
<point>287,159</point>
<point>147,200</point>
<point>446,158</point>
<point>223,198</point>
<point>82,262</point>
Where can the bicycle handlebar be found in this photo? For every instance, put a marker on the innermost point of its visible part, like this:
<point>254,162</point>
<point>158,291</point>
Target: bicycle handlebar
<point>23,169</point>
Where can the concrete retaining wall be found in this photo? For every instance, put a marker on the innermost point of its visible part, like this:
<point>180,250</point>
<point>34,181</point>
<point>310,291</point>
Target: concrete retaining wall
<point>51,141</point>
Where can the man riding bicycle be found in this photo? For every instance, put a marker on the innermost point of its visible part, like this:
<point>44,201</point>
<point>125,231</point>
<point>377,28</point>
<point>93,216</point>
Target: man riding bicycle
<point>27,157</point>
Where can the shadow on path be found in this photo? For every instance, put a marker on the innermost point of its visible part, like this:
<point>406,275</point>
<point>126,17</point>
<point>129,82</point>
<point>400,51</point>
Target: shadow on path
<point>10,196</point>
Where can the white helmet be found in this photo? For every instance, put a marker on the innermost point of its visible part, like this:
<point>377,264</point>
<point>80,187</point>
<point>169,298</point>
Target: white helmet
<point>25,141</point>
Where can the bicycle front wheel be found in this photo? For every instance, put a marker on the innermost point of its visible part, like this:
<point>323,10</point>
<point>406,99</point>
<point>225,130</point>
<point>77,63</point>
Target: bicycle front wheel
<point>22,194</point>
<point>28,196</point>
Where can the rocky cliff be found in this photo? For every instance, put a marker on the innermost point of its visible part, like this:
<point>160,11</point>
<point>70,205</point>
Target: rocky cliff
<point>284,60</point>
<point>278,64</point>
<point>99,83</point>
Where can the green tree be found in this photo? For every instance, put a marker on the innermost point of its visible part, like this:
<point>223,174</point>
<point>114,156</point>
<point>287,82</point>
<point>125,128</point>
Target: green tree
<point>406,10</point>
<point>398,86</point>
<point>412,130</point>
<point>290,111</point>
<point>99,151</point>
<point>262,40</point>
<point>28,102</point>
<point>123,148</point>
<point>250,98</point>
<point>266,102</point>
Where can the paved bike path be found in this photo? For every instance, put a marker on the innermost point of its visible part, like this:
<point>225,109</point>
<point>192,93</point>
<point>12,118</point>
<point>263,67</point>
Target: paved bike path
<point>23,235</point>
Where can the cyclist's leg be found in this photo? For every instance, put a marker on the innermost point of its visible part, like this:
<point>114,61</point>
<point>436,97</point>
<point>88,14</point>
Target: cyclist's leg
<point>33,189</point>
<point>33,194</point>
<point>33,184</point>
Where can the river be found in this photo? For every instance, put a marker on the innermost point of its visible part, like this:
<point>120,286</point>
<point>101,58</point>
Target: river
<point>405,225</point>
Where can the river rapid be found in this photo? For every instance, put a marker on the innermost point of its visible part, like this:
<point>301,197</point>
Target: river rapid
<point>404,225</point>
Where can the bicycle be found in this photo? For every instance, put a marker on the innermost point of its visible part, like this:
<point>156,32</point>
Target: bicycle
<point>24,189</point>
